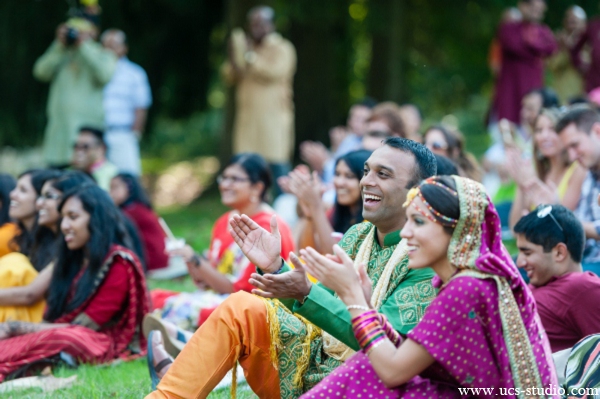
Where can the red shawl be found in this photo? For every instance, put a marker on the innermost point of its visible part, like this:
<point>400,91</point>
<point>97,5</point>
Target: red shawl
<point>126,333</point>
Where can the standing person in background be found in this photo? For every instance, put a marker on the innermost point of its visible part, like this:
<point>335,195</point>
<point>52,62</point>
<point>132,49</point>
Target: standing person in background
<point>524,46</point>
<point>77,68</point>
<point>127,98</point>
<point>567,79</point>
<point>589,65</point>
<point>89,156</point>
<point>8,229</point>
<point>262,65</point>
<point>511,14</point>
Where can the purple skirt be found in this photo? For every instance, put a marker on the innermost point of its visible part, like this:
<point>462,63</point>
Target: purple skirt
<point>356,378</point>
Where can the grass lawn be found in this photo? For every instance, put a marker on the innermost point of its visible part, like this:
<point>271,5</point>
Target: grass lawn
<point>131,379</point>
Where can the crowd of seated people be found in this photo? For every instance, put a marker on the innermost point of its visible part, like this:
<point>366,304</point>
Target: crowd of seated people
<point>402,224</point>
<point>96,295</point>
<point>553,215</point>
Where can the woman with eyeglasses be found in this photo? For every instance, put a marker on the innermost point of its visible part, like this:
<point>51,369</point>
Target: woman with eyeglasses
<point>224,269</point>
<point>8,229</point>
<point>552,178</point>
<point>18,301</point>
<point>129,195</point>
<point>97,296</point>
<point>451,144</point>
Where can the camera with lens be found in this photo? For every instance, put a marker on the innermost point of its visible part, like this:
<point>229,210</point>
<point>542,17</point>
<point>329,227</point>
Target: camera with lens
<point>71,36</point>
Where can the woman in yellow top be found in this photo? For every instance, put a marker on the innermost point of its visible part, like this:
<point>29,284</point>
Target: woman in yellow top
<point>554,179</point>
<point>8,229</point>
<point>33,242</point>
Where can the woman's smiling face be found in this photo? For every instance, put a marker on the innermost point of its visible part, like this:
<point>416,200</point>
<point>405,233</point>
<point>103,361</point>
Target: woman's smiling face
<point>47,206</point>
<point>22,200</point>
<point>75,224</point>
<point>427,240</point>
<point>347,185</point>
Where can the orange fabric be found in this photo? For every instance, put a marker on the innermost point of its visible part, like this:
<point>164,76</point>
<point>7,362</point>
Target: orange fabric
<point>7,233</point>
<point>240,324</point>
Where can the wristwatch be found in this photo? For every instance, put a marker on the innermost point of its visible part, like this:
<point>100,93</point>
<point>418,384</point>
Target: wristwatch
<point>196,260</point>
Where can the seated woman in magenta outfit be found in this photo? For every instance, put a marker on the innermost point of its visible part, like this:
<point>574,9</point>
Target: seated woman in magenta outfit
<point>481,331</point>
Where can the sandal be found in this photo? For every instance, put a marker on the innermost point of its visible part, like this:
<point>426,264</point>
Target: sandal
<point>154,370</point>
<point>172,346</point>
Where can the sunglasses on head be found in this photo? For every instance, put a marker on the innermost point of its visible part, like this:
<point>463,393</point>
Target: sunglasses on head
<point>546,210</point>
<point>437,145</point>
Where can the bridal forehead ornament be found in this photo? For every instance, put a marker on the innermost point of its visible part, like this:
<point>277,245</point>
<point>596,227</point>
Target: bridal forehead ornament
<point>438,218</point>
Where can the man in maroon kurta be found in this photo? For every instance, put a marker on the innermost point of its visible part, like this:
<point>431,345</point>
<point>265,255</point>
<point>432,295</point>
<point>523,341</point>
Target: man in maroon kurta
<point>550,250</point>
<point>524,46</point>
<point>590,68</point>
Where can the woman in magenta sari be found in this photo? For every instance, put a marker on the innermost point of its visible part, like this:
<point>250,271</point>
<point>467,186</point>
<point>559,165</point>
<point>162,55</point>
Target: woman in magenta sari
<point>97,296</point>
<point>481,331</point>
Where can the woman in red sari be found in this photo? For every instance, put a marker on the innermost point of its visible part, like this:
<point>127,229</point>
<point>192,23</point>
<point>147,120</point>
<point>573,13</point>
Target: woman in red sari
<point>97,297</point>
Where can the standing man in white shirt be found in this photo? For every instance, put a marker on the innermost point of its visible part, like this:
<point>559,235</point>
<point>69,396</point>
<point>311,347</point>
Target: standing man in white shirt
<point>127,98</point>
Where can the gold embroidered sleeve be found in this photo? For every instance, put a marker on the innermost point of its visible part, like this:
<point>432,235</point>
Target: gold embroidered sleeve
<point>406,306</point>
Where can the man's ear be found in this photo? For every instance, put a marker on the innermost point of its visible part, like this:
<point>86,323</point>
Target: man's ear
<point>560,252</point>
<point>596,130</point>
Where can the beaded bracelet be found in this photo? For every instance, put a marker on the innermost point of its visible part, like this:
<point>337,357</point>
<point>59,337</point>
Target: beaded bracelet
<point>357,307</point>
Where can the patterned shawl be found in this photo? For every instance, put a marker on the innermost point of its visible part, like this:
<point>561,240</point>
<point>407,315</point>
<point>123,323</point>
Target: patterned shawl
<point>125,333</point>
<point>476,249</point>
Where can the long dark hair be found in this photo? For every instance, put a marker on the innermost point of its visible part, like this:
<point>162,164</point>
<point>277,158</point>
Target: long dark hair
<point>106,228</point>
<point>7,184</point>
<point>256,168</point>
<point>441,199</point>
<point>45,245</point>
<point>24,240</point>
<point>136,190</point>
<point>343,217</point>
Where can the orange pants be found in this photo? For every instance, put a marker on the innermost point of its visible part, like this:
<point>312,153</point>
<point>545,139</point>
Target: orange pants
<point>236,331</point>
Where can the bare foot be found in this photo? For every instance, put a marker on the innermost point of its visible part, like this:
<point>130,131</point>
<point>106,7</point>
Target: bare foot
<point>172,330</point>
<point>160,354</point>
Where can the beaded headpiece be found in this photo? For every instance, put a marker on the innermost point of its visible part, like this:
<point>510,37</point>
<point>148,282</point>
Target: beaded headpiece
<point>437,217</point>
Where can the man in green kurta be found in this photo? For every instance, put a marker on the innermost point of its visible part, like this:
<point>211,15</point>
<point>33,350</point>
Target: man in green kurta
<point>287,345</point>
<point>77,73</point>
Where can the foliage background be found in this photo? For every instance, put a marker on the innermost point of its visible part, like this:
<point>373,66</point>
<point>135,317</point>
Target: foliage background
<point>430,52</point>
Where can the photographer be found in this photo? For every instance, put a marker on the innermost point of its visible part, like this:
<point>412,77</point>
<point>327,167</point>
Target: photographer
<point>77,68</point>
